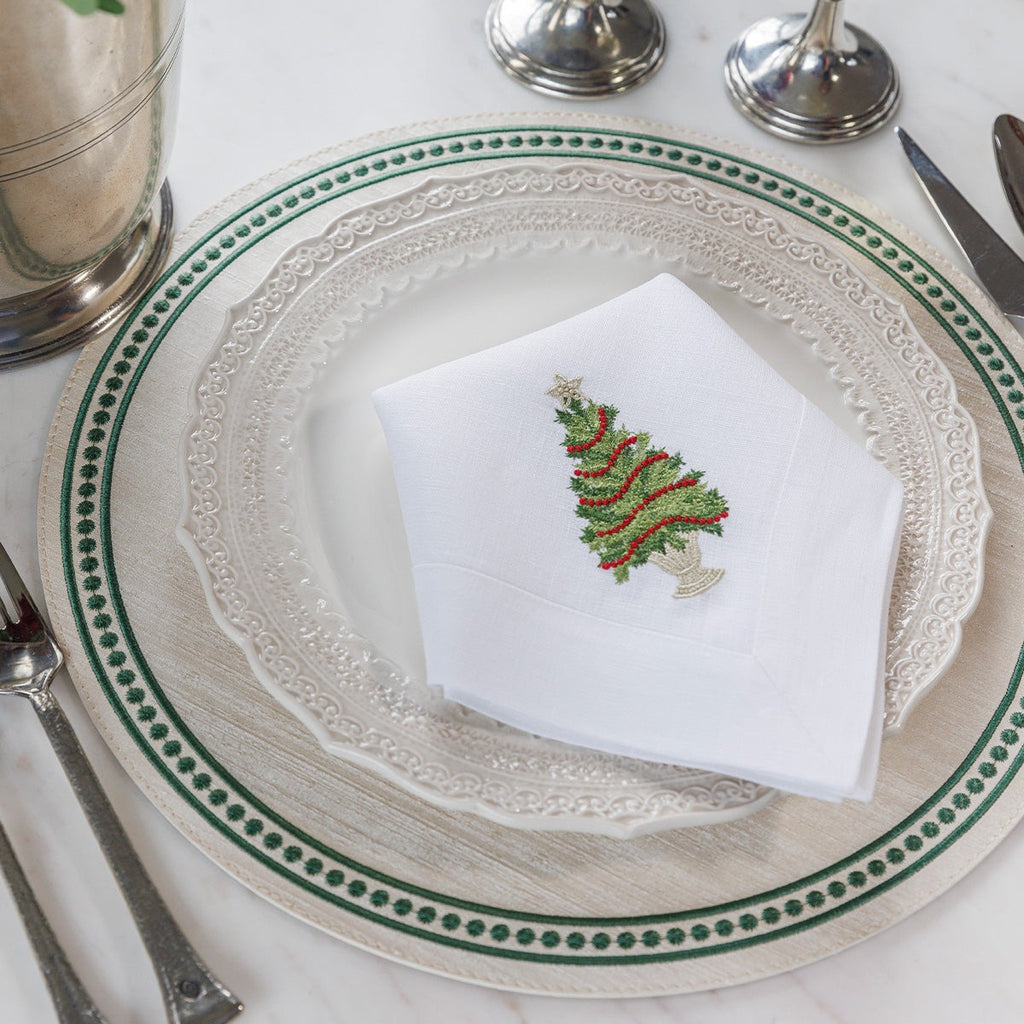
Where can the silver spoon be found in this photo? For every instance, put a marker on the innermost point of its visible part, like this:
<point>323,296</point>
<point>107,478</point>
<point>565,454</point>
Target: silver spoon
<point>1008,139</point>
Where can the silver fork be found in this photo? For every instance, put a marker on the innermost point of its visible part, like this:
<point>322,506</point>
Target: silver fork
<point>29,658</point>
<point>70,999</point>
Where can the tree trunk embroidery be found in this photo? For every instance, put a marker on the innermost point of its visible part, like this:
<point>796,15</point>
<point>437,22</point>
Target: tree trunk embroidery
<point>638,501</point>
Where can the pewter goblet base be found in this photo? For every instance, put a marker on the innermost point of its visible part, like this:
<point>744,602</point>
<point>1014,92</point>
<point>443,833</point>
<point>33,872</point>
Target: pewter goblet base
<point>813,78</point>
<point>584,49</point>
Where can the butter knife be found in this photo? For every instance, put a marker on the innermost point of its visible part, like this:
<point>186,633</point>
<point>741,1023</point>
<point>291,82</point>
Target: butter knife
<point>999,269</point>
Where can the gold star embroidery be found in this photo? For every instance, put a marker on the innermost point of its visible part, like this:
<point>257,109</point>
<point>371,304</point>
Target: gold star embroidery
<point>567,391</point>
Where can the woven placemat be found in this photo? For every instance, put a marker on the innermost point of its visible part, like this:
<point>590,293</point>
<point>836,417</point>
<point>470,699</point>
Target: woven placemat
<point>347,851</point>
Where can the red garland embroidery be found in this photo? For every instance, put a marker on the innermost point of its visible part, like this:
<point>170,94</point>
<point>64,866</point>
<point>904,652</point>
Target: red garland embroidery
<point>611,458</point>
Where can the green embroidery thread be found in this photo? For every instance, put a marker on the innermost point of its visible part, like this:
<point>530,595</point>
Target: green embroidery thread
<point>638,504</point>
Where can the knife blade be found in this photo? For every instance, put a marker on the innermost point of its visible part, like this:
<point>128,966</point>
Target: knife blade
<point>999,269</point>
<point>1008,139</point>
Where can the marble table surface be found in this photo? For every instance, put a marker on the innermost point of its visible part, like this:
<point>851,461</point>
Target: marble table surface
<point>266,84</point>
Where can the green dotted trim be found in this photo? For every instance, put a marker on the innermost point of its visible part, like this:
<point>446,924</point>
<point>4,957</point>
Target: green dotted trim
<point>136,696</point>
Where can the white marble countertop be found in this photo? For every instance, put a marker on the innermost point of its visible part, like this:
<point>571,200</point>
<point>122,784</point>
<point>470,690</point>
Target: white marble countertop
<point>265,84</point>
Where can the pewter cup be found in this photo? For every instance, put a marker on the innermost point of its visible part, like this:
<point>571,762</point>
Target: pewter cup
<point>87,113</point>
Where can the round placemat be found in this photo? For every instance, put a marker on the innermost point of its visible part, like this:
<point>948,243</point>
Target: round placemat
<point>345,850</point>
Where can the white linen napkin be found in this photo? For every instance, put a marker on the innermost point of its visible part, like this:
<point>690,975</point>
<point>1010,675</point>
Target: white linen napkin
<point>628,532</point>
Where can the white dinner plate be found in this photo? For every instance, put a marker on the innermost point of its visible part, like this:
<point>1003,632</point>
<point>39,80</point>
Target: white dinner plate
<point>291,514</point>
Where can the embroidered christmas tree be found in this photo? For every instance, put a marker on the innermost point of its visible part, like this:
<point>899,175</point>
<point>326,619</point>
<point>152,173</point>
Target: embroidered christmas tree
<point>640,503</point>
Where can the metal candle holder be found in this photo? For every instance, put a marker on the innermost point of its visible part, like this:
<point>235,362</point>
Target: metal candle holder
<point>579,48</point>
<point>812,78</point>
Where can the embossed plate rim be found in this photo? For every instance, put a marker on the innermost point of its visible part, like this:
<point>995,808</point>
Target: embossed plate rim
<point>271,355</point>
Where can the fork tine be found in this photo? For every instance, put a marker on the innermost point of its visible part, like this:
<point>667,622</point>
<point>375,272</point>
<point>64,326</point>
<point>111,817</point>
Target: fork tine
<point>28,622</point>
<point>12,579</point>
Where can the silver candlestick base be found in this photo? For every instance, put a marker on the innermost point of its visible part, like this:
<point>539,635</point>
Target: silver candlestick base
<point>579,48</point>
<point>812,78</point>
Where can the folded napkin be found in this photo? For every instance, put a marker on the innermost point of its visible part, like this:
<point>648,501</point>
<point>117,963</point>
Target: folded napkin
<point>628,532</point>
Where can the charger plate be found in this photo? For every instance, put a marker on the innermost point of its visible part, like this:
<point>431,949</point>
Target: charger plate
<point>293,522</point>
<point>349,851</point>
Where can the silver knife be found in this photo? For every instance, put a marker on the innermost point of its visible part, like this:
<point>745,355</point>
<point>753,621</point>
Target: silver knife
<point>999,268</point>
